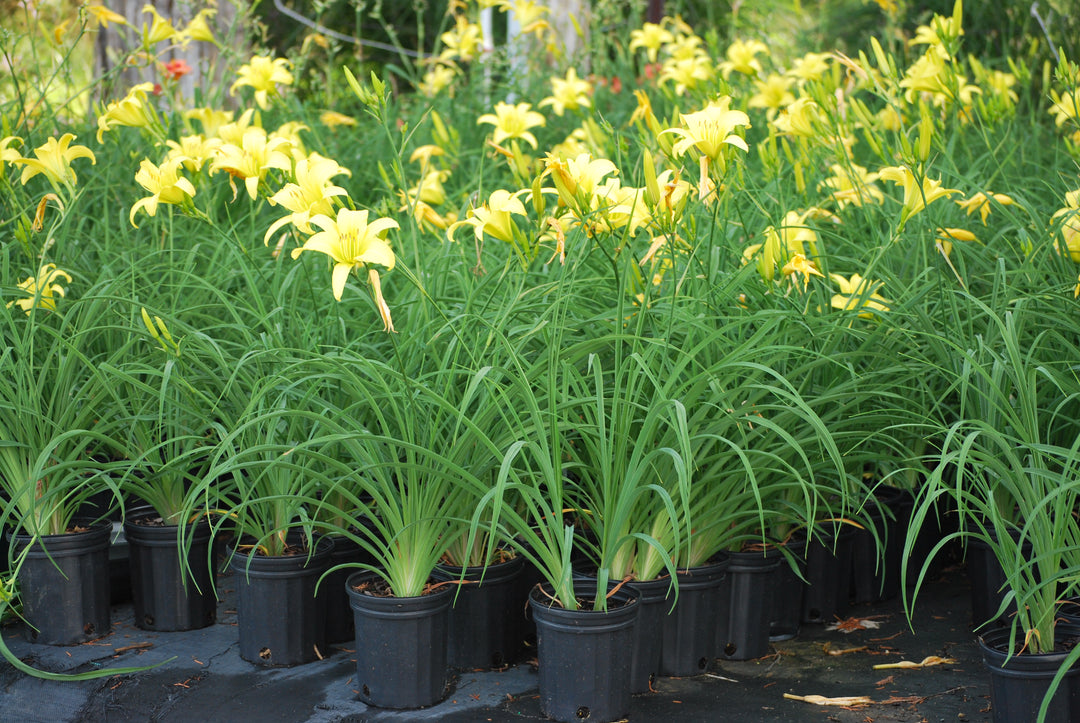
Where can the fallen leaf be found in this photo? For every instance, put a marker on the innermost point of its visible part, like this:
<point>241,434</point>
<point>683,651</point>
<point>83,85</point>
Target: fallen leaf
<point>924,663</point>
<point>850,625</point>
<point>822,700</point>
<point>885,681</point>
<point>842,651</point>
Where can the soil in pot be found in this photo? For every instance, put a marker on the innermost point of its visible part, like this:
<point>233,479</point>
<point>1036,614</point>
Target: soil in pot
<point>171,589</point>
<point>1017,687</point>
<point>748,617</point>
<point>585,671</point>
<point>485,622</point>
<point>280,618</point>
<point>699,618</point>
<point>64,584</point>
<point>401,643</point>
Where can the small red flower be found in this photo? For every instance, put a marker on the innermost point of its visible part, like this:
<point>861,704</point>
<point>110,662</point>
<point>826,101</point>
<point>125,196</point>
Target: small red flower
<point>616,84</point>
<point>176,69</point>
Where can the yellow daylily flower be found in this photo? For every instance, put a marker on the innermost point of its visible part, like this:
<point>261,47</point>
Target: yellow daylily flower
<point>742,58</point>
<point>858,293</point>
<point>424,154</point>
<point>8,155</point>
<point>194,150</point>
<point>569,93</point>
<point>529,14</point>
<point>310,195</point>
<point>463,42</point>
<point>252,159</point>
<point>160,29</point>
<point>917,196</point>
<point>264,75</point>
<point>430,188</point>
<point>1065,107</point>
<point>793,238</point>
<point>687,73</point>
<point>211,119</point>
<point>53,160</point>
<point>809,67</point>
<point>946,236</point>
<point>494,218</point>
<point>805,268</point>
<point>103,16</point>
<point>651,37</point>
<point>134,110</point>
<point>799,119</point>
<point>711,130</point>
<point>199,28</point>
<point>42,289</point>
<point>513,121</point>
<point>773,93</point>
<point>852,185</point>
<point>351,241</point>
<point>332,119</point>
<point>981,202</point>
<point>1069,241</point>
<point>440,77</point>
<point>165,185</point>
<point>576,179</point>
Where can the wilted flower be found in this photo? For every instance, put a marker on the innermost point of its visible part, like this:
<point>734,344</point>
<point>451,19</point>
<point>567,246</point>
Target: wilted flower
<point>946,236</point>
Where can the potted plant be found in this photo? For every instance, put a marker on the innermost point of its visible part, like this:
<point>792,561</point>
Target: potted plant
<point>261,482</point>
<point>171,415</point>
<point>57,453</point>
<point>1011,466</point>
<point>412,454</point>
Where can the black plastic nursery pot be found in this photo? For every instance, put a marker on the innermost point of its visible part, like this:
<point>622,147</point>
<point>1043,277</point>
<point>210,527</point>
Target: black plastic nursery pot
<point>748,618</point>
<point>1017,687</point>
<point>988,582</point>
<point>64,584</point>
<point>784,593</point>
<point>828,575</point>
<point>171,589</point>
<point>652,609</point>
<point>584,655</point>
<point>485,618</point>
<point>698,620</point>
<point>339,624</point>
<point>279,616</point>
<point>876,574</point>
<point>401,644</point>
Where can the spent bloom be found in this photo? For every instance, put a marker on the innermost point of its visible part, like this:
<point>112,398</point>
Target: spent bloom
<point>164,183</point>
<point>41,290</point>
<point>513,121</point>
<point>263,74</point>
<point>53,160</point>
